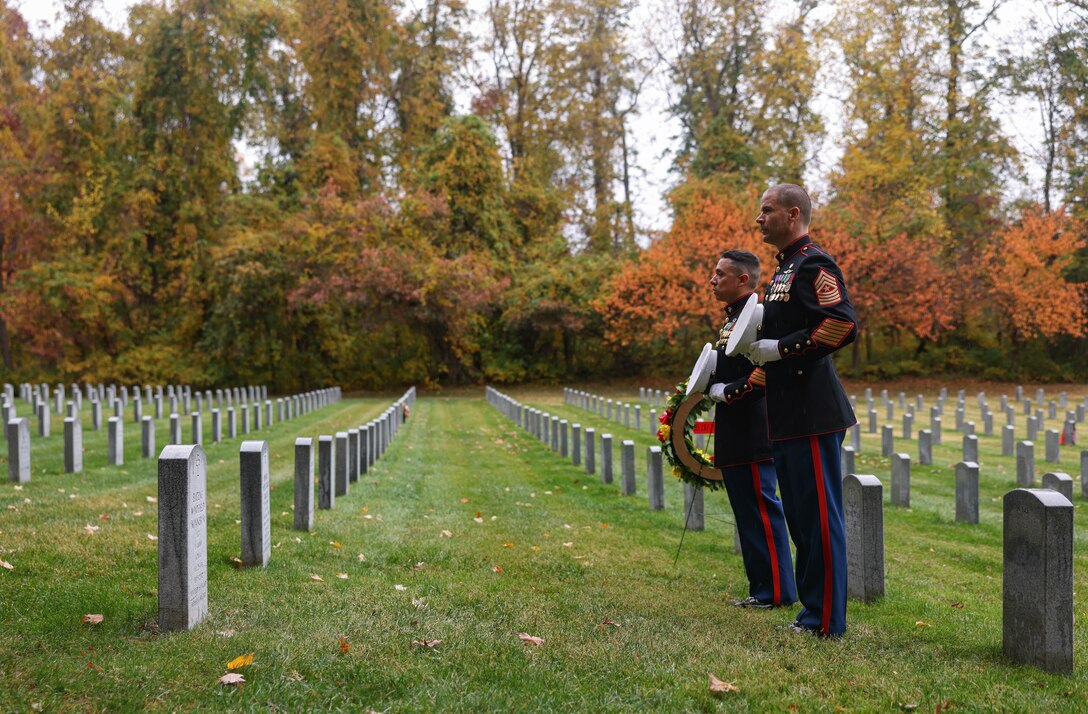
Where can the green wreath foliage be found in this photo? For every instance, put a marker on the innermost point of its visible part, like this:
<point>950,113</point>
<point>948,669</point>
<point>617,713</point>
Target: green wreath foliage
<point>664,435</point>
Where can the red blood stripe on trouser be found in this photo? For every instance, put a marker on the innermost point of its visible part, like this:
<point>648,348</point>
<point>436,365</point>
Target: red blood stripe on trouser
<point>825,533</point>
<point>757,484</point>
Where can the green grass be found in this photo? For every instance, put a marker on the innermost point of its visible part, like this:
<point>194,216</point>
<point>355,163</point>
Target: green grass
<point>674,624</point>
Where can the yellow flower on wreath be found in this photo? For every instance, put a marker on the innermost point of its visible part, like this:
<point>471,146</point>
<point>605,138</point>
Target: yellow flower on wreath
<point>677,471</point>
<point>664,432</point>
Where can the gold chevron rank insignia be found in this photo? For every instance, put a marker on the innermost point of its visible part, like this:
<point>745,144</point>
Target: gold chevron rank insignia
<point>827,289</point>
<point>758,378</point>
<point>831,332</point>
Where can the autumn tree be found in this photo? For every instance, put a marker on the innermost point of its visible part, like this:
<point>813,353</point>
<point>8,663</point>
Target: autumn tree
<point>660,306</point>
<point>1026,266</point>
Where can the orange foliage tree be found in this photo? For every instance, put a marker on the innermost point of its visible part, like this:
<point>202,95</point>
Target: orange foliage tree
<point>1026,270</point>
<point>660,305</point>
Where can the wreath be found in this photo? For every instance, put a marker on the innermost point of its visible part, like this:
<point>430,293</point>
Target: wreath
<point>669,439</point>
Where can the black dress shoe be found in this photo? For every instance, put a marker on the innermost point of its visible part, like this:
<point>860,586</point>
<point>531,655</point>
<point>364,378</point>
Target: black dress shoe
<point>753,601</point>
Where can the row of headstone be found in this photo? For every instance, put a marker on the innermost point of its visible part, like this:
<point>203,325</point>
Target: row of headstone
<point>553,431</point>
<point>183,509</point>
<point>36,394</point>
<point>620,412</point>
<point>652,397</point>
<point>342,458</point>
<point>17,429</point>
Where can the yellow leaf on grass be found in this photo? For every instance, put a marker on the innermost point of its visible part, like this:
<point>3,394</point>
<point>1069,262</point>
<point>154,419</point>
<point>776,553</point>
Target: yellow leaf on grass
<point>342,576</point>
<point>240,661</point>
<point>529,639</point>
<point>335,544</point>
<point>344,646</point>
<point>318,578</point>
<point>89,529</point>
<point>446,534</point>
<point>429,644</point>
<point>92,619</point>
<point>496,568</point>
<point>507,545</point>
<point>464,500</point>
<point>237,561</point>
<point>231,678</point>
<point>6,565</point>
<point>921,623</point>
<point>718,686</point>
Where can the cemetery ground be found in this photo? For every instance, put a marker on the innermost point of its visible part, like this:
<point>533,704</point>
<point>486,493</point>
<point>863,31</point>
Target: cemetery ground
<point>410,595</point>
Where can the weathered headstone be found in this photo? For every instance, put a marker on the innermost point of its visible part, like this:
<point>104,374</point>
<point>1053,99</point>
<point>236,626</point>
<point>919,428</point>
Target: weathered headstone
<point>115,445</point>
<point>591,452</point>
<point>1084,474</point>
<point>627,468</point>
<point>1032,428</point>
<point>1060,482</point>
<point>925,447</point>
<point>967,492</point>
<point>326,493</point>
<point>901,480</point>
<point>175,428</point>
<point>217,425</point>
<point>693,508</point>
<point>887,440</point>
<point>304,483</point>
<point>18,433</point>
<point>353,455</point>
<point>147,437</point>
<point>256,514</point>
<point>872,421</point>
<point>1037,579</point>
<point>849,460</point>
<point>970,448</point>
<point>1025,464</point>
<point>73,445</point>
<point>43,419</point>
<point>1053,447</point>
<point>341,463</point>
<point>183,537</point>
<point>988,423</point>
<point>232,423</point>
<point>936,431</point>
<point>655,478</point>
<point>908,425</point>
<point>563,438</point>
<point>863,515</point>
<point>576,444</point>
<point>1008,440</point>
<point>606,458</point>
<point>198,428</point>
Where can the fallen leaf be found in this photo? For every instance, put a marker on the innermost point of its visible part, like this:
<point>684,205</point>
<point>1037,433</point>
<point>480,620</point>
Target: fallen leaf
<point>717,686</point>
<point>362,558</point>
<point>496,568</point>
<point>464,500</point>
<point>318,578</point>
<point>240,661</point>
<point>231,678</point>
<point>418,566</point>
<point>478,519</point>
<point>507,545</point>
<point>529,639</point>
<point>958,605</point>
<point>344,646</point>
<point>921,623</point>
<point>608,623</point>
<point>152,499</point>
<point>398,586</point>
<point>18,488</point>
<point>446,534</point>
<point>569,544</point>
<point>294,676</point>
<point>225,633</point>
<point>297,539</point>
<point>604,525</point>
<point>103,516</point>
<point>89,529</point>
<point>430,644</point>
<point>237,562</point>
<point>92,619</point>
<point>419,603</point>
<point>335,544</point>
<point>152,537</point>
<point>6,565</point>
<point>137,513</point>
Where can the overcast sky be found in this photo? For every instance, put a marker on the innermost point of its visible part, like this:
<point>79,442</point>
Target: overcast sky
<point>653,129</point>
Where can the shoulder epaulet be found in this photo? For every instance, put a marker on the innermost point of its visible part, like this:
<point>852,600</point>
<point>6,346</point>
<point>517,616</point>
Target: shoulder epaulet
<point>812,249</point>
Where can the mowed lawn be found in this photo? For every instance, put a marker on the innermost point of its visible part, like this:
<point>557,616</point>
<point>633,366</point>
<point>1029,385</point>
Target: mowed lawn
<point>468,532</point>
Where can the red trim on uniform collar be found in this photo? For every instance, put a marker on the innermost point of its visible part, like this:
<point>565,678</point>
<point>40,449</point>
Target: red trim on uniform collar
<point>735,307</point>
<point>792,248</point>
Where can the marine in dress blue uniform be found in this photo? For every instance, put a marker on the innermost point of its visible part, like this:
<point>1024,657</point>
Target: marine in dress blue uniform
<point>807,316</point>
<point>743,453</point>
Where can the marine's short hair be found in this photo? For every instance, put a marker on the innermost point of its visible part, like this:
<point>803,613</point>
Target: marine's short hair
<point>747,262</point>
<point>791,195</point>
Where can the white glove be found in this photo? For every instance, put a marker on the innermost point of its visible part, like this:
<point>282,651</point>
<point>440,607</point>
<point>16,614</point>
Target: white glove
<point>716,392</point>
<point>761,352</point>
